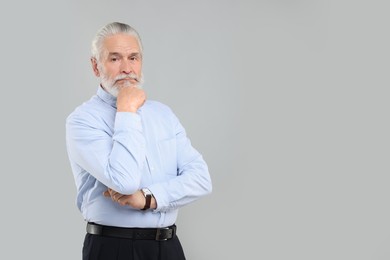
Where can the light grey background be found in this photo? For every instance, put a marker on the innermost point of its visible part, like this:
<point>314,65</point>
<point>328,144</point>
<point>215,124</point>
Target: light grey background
<point>286,99</point>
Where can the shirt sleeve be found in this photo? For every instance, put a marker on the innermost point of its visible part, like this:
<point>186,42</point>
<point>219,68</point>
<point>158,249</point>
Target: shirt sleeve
<point>114,159</point>
<point>193,179</point>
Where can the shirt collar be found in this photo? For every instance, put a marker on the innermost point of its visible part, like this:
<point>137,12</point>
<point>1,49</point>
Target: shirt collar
<point>106,97</point>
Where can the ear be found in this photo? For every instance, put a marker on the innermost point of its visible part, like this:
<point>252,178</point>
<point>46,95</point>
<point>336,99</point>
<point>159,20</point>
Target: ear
<point>95,67</point>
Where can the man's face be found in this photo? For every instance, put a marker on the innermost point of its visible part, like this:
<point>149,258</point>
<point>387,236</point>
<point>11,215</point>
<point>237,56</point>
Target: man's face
<point>120,64</point>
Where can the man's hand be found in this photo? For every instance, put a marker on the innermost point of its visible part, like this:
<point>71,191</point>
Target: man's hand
<point>136,200</point>
<point>130,98</point>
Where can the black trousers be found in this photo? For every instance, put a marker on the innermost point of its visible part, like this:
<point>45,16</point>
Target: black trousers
<point>110,248</point>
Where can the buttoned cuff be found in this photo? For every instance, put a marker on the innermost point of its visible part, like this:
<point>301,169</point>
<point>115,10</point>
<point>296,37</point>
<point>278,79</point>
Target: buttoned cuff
<point>160,196</point>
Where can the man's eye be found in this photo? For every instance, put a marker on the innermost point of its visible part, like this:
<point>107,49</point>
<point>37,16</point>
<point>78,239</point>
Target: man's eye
<point>114,59</point>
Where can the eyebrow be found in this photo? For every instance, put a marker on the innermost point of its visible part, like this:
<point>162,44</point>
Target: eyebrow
<point>114,54</point>
<point>120,55</point>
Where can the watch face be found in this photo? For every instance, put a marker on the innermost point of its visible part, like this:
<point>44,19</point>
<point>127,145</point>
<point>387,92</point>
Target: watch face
<point>146,192</point>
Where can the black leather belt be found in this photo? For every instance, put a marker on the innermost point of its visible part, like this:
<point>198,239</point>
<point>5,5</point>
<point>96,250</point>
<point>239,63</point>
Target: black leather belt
<point>159,234</point>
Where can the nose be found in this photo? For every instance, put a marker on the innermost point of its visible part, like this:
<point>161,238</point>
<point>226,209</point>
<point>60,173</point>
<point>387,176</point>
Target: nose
<point>126,67</point>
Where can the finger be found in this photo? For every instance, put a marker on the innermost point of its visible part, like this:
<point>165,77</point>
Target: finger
<point>112,192</point>
<point>113,197</point>
<point>122,202</point>
<point>116,196</point>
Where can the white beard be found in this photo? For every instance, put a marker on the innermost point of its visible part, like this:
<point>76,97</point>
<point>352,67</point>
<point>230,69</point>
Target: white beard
<point>111,86</point>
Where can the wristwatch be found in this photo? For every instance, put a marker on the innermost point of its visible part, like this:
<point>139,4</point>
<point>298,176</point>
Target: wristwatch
<point>148,196</point>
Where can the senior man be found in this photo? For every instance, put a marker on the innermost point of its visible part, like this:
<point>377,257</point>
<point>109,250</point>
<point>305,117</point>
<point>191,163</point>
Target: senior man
<point>133,164</point>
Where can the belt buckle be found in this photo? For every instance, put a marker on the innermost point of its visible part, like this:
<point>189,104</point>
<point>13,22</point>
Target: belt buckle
<point>158,233</point>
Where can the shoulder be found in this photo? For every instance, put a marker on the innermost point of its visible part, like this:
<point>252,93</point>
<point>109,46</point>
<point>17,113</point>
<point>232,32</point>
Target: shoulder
<point>89,111</point>
<point>157,107</point>
<point>159,113</point>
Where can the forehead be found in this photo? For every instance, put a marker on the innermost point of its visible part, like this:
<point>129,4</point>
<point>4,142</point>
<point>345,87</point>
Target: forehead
<point>121,43</point>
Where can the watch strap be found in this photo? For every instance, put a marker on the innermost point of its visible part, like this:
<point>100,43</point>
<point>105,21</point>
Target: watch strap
<point>148,199</point>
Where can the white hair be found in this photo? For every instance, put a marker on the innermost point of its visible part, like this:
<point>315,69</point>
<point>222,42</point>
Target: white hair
<point>109,30</point>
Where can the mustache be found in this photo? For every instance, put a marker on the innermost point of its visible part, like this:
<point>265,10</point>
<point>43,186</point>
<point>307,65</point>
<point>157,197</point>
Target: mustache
<point>132,76</point>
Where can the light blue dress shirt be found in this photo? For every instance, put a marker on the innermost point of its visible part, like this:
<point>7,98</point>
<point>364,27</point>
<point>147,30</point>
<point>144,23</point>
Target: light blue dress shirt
<point>128,151</point>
